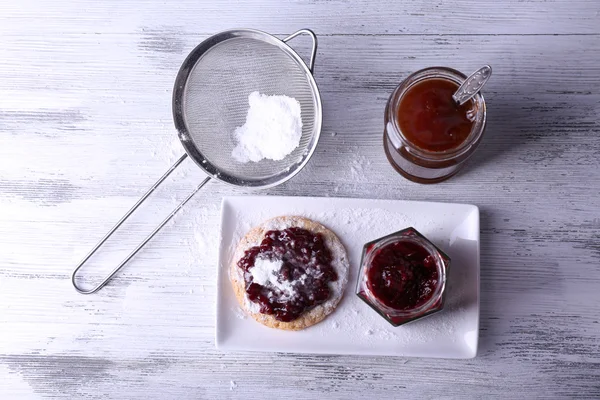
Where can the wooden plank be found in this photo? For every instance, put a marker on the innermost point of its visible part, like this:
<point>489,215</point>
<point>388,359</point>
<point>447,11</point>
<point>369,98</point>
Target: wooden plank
<point>165,23</point>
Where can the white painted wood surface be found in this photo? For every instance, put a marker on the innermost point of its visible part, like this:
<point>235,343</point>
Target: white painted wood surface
<point>85,128</point>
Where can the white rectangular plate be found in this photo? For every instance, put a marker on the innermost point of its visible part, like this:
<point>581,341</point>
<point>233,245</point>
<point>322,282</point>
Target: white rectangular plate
<point>354,328</point>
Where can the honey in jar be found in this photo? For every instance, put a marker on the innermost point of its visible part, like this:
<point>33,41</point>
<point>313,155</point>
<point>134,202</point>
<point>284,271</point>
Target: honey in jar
<point>428,136</point>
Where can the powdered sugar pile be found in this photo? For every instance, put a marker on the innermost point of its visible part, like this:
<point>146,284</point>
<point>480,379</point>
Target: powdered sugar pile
<point>272,130</point>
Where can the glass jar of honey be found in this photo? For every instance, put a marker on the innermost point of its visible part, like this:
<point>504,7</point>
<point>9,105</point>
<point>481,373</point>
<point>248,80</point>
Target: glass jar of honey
<point>428,136</point>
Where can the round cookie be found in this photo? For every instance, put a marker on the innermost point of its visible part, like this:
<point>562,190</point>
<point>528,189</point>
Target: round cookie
<point>339,262</point>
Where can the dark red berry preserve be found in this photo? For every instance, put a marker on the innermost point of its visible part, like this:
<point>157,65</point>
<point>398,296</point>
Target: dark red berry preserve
<point>302,278</point>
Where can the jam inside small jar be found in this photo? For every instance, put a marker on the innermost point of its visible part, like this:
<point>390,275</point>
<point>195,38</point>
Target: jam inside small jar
<point>428,137</point>
<point>403,276</point>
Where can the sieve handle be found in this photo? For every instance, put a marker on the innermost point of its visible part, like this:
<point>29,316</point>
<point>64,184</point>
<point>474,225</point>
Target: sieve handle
<point>123,219</point>
<point>313,53</point>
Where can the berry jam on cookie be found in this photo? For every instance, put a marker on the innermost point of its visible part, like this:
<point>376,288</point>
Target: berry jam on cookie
<point>288,273</point>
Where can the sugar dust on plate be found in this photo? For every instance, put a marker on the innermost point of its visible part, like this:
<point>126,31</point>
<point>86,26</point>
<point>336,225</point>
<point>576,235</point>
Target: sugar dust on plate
<point>272,130</point>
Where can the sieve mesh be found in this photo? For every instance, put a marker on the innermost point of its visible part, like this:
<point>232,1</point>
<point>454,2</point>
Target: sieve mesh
<point>215,102</point>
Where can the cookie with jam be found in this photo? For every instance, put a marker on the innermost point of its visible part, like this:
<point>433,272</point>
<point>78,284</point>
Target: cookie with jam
<point>289,272</point>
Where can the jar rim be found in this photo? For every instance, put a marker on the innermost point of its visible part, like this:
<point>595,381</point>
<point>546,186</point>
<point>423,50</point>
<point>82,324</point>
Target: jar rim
<point>435,73</point>
<point>440,266</point>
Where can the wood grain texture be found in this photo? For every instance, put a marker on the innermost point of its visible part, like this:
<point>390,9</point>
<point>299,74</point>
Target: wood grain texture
<point>362,17</point>
<point>85,128</point>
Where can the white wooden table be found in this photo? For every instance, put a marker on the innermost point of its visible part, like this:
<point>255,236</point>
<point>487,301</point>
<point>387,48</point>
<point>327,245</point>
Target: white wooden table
<point>85,128</point>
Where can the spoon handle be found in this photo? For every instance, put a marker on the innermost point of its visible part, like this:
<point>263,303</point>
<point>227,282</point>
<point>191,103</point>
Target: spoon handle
<point>472,85</point>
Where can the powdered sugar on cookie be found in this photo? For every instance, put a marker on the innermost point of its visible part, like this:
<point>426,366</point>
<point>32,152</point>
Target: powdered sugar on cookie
<point>265,272</point>
<point>338,253</point>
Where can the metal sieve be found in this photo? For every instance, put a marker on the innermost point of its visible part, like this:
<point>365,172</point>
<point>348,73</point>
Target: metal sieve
<point>210,99</point>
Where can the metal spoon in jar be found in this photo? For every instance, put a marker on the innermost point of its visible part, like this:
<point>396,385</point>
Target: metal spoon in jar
<point>472,85</point>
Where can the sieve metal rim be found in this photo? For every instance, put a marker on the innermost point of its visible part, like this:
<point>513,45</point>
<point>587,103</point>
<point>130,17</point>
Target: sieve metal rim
<point>179,89</point>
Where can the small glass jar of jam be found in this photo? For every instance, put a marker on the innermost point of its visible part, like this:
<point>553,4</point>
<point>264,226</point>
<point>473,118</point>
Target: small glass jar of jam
<point>428,137</point>
<point>403,276</point>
